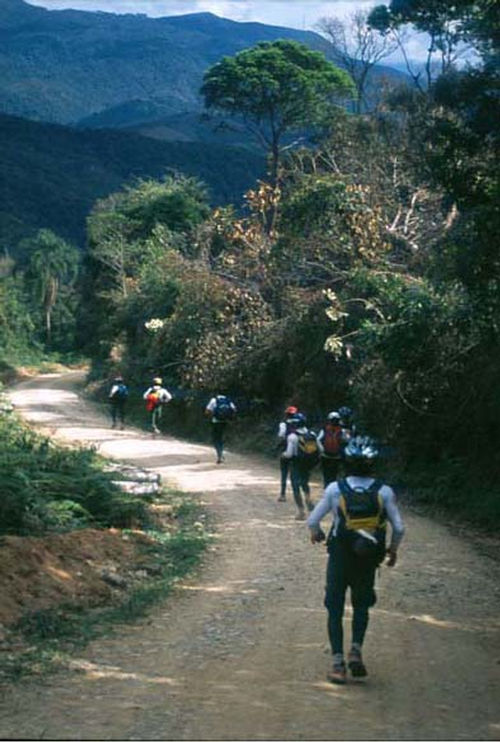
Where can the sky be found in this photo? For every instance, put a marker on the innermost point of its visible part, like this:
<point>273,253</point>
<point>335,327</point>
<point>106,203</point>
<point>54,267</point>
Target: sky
<point>301,14</point>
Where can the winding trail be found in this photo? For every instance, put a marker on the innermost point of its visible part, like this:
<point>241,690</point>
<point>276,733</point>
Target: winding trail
<point>240,650</point>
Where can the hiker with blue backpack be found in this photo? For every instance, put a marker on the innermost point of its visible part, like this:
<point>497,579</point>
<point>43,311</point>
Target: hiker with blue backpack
<point>117,397</point>
<point>361,506</point>
<point>303,451</point>
<point>221,410</point>
<point>284,428</point>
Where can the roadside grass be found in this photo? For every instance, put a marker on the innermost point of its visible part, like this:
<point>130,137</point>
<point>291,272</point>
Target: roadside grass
<point>48,488</point>
<point>44,641</point>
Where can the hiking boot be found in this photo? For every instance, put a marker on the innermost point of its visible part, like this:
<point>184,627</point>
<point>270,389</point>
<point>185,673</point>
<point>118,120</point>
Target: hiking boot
<point>338,674</point>
<point>281,498</point>
<point>355,664</point>
<point>300,515</point>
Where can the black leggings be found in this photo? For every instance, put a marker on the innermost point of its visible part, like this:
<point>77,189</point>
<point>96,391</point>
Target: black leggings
<point>345,570</point>
<point>218,438</point>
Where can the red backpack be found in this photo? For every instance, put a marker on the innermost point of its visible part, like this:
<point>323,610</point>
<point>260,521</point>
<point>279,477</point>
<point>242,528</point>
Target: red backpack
<point>152,401</point>
<point>332,441</point>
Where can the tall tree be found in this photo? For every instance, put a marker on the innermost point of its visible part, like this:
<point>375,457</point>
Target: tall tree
<point>445,24</point>
<point>277,88</point>
<point>52,262</point>
<point>358,46</point>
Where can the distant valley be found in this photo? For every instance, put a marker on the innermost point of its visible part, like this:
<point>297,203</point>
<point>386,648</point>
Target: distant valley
<point>92,100</point>
<point>51,175</point>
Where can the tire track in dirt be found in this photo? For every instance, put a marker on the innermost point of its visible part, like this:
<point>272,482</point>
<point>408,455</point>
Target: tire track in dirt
<point>239,651</point>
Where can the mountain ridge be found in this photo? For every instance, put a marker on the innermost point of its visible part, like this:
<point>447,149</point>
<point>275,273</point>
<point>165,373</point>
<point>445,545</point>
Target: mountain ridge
<point>64,66</point>
<point>51,175</point>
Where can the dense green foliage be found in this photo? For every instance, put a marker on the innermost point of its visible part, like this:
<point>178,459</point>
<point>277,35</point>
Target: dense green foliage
<point>50,176</point>
<point>50,488</point>
<point>114,70</point>
<point>38,299</point>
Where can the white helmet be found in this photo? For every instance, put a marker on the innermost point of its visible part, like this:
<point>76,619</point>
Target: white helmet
<point>361,448</point>
<point>333,416</point>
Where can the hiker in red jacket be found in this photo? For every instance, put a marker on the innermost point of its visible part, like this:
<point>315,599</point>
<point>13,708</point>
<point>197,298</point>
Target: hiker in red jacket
<point>332,440</point>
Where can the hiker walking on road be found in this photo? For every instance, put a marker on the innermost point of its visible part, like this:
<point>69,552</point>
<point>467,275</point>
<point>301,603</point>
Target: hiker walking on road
<point>332,439</point>
<point>283,430</point>
<point>361,506</point>
<point>118,396</point>
<point>156,398</point>
<point>220,410</point>
<point>302,450</point>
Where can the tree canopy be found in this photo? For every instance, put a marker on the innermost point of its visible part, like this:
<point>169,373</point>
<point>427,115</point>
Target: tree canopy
<point>277,87</point>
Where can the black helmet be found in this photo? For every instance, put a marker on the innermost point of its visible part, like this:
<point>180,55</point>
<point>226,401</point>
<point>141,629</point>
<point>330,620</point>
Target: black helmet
<point>361,448</point>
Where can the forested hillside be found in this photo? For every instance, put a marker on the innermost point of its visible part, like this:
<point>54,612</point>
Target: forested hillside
<point>50,175</point>
<point>63,66</point>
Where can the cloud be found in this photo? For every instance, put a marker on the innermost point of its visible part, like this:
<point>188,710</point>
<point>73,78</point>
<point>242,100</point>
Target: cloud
<point>301,14</point>
<point>292,13</point>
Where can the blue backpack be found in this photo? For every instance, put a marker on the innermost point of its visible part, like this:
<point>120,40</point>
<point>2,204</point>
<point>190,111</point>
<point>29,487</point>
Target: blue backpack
<point>121,393</point>
<point>223,409</point>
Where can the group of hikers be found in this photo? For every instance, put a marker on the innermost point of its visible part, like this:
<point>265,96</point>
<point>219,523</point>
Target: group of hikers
<point>301,449</point>
<point>156,397</point>
<point>359,503</point>
<point>220,409</point>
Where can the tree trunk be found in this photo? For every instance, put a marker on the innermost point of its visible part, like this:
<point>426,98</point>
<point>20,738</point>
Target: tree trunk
<point>272,212</point>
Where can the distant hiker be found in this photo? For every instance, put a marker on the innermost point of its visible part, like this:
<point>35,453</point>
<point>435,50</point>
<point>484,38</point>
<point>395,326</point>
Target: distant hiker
<point>332,439</point>
<point>283,430</point>
<point>302,450</point>
<point>221,409</point>
<point>118,396</point>
<point>156,398</point>
<point>346,423</point>
<point>361,506</point>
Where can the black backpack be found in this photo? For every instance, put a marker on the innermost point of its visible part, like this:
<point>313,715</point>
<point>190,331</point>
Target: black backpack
<point>361,527</point>
<point>223,409</point>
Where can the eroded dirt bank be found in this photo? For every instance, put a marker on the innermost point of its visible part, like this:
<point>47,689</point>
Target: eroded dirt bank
<point>240,651</point>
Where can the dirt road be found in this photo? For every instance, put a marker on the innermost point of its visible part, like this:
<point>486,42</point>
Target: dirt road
<point>240,652</point>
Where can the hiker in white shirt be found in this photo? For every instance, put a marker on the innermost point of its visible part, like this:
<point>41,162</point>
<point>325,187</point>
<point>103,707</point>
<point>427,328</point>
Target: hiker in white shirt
<point>156,397</point>
<point>361,506</point>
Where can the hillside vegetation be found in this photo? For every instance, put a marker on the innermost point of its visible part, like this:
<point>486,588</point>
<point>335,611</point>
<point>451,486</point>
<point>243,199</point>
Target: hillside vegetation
<point>50,175</point>
<point>79,63</point>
